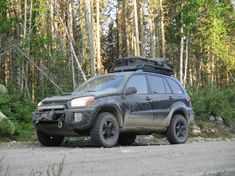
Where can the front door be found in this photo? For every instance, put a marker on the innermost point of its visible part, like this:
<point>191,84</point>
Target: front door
<point>138,111</point>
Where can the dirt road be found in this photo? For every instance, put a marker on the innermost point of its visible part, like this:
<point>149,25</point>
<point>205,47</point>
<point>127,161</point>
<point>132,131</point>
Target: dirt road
<point>193,158</point>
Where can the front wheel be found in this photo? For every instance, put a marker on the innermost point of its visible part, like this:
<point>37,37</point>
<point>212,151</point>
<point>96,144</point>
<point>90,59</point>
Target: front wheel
<point>177,132</point>
<point>49,140</point>
<point>105,131</point>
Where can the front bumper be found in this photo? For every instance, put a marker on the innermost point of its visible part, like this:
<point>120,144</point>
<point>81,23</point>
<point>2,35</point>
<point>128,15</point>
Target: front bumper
<point>191,115</point>
<point>63,121</point>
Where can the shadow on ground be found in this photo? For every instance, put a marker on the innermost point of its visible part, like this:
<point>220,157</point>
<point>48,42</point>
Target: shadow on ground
<point>140,141</point>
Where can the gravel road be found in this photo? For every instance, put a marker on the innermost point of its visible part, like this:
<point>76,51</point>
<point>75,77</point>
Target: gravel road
<point>194,158</point>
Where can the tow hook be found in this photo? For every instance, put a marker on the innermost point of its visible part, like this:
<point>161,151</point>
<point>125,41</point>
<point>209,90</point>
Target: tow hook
<point>60,124</point>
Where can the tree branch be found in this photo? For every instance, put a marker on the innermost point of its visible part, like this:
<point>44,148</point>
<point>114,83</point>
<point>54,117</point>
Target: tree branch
<point>21,52</point>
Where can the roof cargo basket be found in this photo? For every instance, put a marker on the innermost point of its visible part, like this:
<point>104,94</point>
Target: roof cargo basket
<point>155,65</point>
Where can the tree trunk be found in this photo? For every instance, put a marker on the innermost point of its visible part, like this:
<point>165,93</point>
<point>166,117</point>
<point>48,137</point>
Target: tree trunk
<point>98,36</point>
<point>181,48</point>
<point>186,58</point>
<point>90,35</point>
<point>72,49</point>
<point>213,69</point>
<point>153,47</point>
<point>25,19</point>
<point>137,43</point>
<point>163,41</point>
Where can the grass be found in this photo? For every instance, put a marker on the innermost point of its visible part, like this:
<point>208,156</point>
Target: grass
<point>55,169</point>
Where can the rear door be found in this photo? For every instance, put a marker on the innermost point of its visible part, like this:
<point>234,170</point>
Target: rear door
<point>160,94</point>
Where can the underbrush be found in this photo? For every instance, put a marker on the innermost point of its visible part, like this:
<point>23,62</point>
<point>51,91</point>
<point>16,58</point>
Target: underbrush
<point>210,101</point>
<point>19,112</point>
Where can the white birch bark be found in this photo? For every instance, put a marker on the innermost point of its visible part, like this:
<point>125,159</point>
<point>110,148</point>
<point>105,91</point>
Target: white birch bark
<point>137,51</point>
<point>90,35</point>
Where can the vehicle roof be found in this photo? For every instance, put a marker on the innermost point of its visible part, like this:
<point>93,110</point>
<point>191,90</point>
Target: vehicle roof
<point>129,73</point>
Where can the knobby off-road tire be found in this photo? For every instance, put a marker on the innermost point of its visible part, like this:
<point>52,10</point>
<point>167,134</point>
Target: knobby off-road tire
<point>105,131</point>
<point>49,140</point>
<point>126,138</point>
<point>177,132</point>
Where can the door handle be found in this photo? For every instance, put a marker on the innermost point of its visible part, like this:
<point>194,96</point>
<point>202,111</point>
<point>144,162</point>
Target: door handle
<point>147,98</point>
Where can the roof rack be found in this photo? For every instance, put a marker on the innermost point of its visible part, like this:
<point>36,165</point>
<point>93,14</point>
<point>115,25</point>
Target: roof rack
<point>154,65</point>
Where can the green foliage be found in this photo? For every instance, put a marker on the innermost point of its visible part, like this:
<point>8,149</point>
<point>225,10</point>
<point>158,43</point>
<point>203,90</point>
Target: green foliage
<point>6,128</point>
<point>211,101</point>
<point>19,111</point>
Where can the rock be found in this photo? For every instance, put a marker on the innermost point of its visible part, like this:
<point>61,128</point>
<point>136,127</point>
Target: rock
<point>211,118</point>
<point>2,116</point>
<point>6,126</point>
<point>196,130</point>
<point>3,89</point>
<point>219,120</point>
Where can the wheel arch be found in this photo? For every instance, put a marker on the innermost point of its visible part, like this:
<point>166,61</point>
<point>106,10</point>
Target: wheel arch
<point>113,110</point>
<point>178,109</point>
<point>182,112</point>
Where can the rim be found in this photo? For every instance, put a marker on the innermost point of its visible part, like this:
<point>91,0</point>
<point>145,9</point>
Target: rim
<point>180,129</point>
<point>108,129</point>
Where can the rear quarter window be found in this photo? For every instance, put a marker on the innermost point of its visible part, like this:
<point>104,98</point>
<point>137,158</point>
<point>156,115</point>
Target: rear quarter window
<point>175,87</point>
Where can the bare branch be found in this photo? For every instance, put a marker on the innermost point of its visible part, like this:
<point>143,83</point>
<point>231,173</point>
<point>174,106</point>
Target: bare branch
<point>21,52</point>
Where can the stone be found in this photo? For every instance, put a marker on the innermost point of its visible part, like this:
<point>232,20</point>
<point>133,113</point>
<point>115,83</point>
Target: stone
<point>219,120</point>
<point>2,116</point>
<point>6,126</point>
<point>3,89</point>
<point>196,131</point>
<point>211,118</point>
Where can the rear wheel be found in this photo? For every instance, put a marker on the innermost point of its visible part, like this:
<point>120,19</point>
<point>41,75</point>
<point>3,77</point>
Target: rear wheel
<point>49,140</point>
<point>126,139</point>
<point>177,132</point>
<point>105,131</point>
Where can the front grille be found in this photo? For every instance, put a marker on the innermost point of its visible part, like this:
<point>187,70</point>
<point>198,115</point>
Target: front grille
<point>58,117</point>
<point>50,103</point>
<point>51,106</point>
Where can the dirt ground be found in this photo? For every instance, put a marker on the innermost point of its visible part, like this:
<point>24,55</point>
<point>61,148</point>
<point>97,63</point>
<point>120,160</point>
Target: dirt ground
<point>145,158</point>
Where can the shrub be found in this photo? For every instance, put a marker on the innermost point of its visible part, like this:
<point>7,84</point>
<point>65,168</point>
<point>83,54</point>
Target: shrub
<point>211,101</point>
<point>19,112</point>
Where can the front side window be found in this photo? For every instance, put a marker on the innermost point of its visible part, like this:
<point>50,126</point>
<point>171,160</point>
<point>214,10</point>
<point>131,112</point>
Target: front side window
<point>156,84</point>
<point>139,82</point>
<point>102,84</point>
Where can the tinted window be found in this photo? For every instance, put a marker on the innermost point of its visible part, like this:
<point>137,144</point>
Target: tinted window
<point>174,86</point>
<point>156,84</point>
<point>101,84</point>
<point>139,82</point>
<point>168,90</point>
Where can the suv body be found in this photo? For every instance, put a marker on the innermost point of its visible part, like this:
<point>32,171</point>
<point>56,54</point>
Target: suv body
<point>115,108</point>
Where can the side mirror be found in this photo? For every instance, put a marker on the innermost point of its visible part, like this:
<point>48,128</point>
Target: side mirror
<point>130,90</point>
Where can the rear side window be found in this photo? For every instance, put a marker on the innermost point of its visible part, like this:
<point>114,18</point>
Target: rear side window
<point>174,86</point>
<point>168,90</point>
<point>139,82</point>
<point>156,84</point>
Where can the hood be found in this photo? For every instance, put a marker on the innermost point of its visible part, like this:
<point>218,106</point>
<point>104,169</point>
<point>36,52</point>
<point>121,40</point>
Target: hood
<point>70,96</point>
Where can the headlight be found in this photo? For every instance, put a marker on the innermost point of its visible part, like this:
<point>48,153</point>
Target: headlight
<point>40,103</point>
<point>84,101</point>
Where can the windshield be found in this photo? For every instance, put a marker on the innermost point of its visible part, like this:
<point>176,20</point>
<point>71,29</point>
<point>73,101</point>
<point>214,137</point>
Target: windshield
<point>102,83</point>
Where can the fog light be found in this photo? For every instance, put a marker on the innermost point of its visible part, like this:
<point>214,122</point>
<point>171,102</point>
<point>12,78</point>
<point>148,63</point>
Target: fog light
<point>77,117</point>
